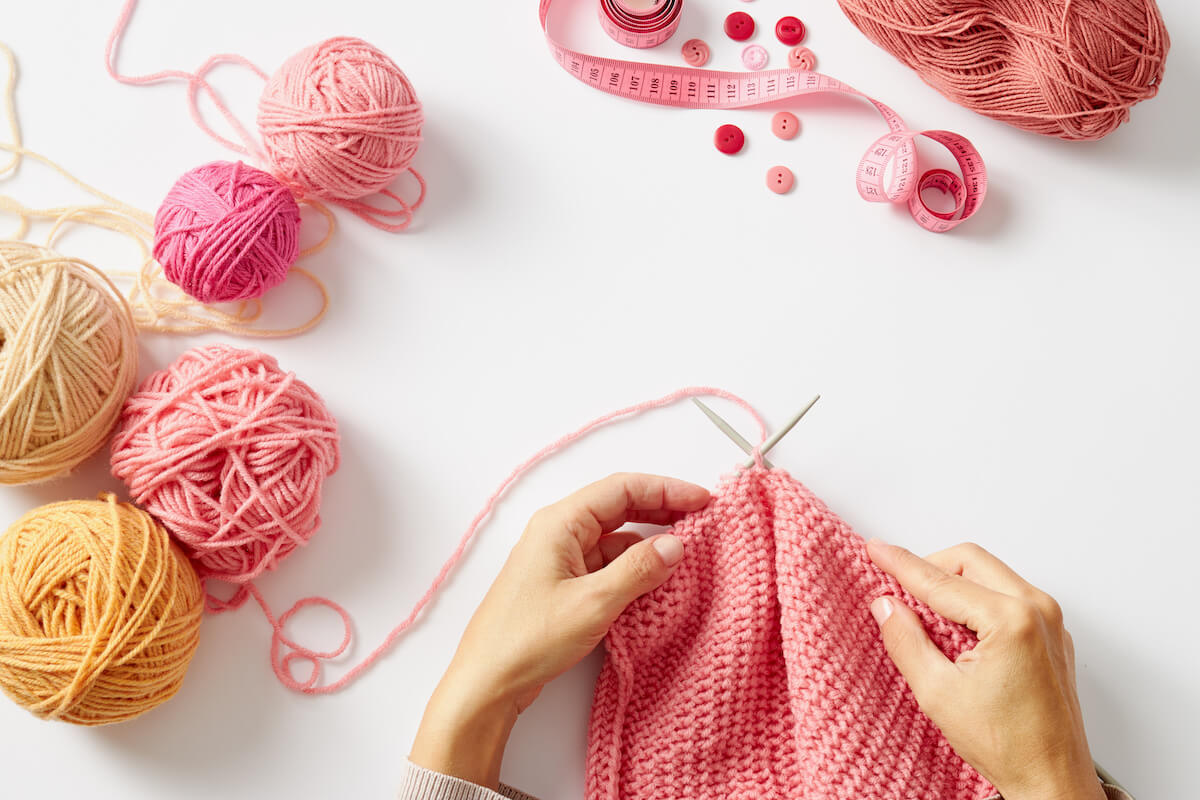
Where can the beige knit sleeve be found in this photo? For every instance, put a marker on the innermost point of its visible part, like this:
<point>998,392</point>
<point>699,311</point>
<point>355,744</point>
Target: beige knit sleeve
<point>418,783</point>
<point>1110,791</point>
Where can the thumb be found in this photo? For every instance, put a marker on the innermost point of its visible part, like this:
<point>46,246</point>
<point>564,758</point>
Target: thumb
<point>640,569</point>
<point>912,651</point>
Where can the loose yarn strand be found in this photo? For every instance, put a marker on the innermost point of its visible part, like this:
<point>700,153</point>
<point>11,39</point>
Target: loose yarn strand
<point>10,110</point>
<point>194,80</point>
<point>282,662</point>
<point>279,118</point>
<point>157,304</point>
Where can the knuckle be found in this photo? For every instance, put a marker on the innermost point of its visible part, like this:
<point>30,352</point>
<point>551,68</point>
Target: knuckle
<point>541,518</point>
<point>574,528</point>
<point>1050,609</point>
<point>599,598</point>
<point>628,479</point>
<point>941,584</point>
<point>1025,620</point>
<point>642,567</point>
<point>972,549</point>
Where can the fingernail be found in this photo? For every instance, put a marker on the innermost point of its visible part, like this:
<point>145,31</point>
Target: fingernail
<point>669,548</point>
<point>881,609</point>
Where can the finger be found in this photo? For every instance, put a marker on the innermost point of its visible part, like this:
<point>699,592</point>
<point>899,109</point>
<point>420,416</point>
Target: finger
<point>641,568</point>
<point>605,505</point>
<point>919,660</point>
<point>659,517</point>
<point>952,596</point>
<point>976,564</point>
<point>612,545</point>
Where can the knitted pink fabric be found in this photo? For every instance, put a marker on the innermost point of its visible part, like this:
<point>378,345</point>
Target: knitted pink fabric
<point>756,671</point>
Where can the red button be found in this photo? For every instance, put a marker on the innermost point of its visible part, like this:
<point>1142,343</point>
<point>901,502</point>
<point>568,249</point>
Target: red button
<point>729,139</point>
<point>739,26</point>
<point>789,30</point>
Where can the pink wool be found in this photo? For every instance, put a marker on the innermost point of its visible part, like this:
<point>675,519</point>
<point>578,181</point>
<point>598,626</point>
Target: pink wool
<point>227,231</point>
<point>757,673</point>
<point>1066,68</point>
<point>339,120</point>
<point>230,453</point>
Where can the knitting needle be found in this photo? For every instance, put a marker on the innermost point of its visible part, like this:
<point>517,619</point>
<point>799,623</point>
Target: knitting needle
<point>779,434</point>
<point>726,429</point>
<point>741,442</point>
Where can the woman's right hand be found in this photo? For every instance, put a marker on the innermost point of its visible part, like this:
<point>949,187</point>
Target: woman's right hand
<point>1008,706</point>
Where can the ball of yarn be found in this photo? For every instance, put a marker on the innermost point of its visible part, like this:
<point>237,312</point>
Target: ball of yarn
<point>1065,68</point>
<point>230,453</point>
<point>339,120</point>
<point>227,231</point>
<point>68,358</point>
<point>99,612</point>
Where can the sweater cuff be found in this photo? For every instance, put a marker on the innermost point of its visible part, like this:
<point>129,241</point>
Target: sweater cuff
<point>418,783</point>
<point>1110,791</point>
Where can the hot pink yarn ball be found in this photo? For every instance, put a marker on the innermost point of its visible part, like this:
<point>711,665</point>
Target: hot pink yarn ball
<point>339,120</point>
<point>230,453</point>
<point>227,231</point>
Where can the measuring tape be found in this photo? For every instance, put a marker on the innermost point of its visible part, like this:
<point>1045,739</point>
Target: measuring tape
<point>685,87</point>
<point>632,26</point>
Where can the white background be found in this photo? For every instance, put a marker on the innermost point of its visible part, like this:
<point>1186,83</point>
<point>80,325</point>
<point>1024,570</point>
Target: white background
<point>1029,381</point>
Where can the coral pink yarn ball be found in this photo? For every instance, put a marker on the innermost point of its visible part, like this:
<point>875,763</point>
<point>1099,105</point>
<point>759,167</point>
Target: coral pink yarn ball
<point>1065,68</point>
<point>230,453</point>
<point>227,231</point>
<point>339,120</point>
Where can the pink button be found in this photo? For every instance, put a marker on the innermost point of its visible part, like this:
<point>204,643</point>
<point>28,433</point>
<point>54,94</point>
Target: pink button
<point>739,26</point>
<point>785,125</point>
<point>780,180</point>
<point>802,57</point>
<point>789,30</point>
<point>695,52</point>
<point>755,56</point>
<point>729,139</point>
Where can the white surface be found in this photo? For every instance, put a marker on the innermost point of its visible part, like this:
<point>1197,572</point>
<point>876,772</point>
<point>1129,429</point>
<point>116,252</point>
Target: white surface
<point>1029,381</point>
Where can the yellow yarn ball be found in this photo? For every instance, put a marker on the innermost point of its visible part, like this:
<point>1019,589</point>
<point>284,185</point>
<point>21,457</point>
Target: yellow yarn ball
<point>68,359</point>
<point>99,612</point>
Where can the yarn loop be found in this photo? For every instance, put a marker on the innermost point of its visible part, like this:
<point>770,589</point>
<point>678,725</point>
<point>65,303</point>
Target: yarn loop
<point>99,612</point>
<point>1065,68</point>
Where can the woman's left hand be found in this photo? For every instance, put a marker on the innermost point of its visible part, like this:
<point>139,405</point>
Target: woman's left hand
<point>566,581</point>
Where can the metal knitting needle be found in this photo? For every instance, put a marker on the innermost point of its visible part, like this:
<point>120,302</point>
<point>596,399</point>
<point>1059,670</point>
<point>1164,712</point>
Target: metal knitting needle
<point>726,429</point>
<point>779,434</point>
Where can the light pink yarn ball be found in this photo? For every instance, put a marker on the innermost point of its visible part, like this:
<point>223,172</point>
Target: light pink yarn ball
<point>230,453</point>
<point>339,120</point>
<point>227,231</point>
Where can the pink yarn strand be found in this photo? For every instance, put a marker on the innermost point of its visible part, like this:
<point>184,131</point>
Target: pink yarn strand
<point>281,662</point>
<point>194,80</point>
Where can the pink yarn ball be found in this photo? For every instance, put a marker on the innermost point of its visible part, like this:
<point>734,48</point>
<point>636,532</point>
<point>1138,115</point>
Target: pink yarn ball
<point>227,231</point>
<point>230,453</point>
<point>1065,68</point>
<point>339,120</point>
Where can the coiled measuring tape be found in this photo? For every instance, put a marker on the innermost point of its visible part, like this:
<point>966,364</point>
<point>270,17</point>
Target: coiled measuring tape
<point>643,24</point>
<point>685,87</point>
